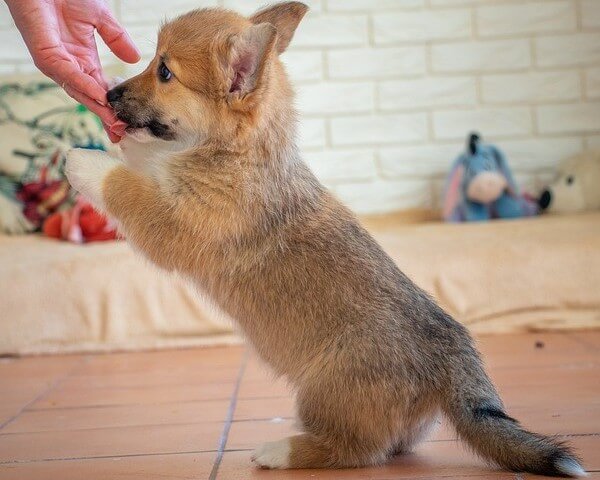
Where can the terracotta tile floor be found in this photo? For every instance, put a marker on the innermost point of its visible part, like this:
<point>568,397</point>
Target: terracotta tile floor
<point>197,414</point>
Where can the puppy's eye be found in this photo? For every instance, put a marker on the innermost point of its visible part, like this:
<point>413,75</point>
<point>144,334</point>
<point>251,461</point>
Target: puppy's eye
<point>570,179</point>
<point>164,73</point>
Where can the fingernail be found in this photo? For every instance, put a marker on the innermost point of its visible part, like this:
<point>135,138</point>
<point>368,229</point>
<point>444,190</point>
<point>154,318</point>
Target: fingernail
<point>100,103</point>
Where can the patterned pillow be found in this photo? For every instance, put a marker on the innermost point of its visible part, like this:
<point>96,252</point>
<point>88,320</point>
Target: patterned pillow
<point>39,123</point>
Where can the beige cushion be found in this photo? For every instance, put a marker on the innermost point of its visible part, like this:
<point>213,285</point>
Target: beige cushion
<point>539,273</point>
<point>58,296</point>
<point>506,276</point>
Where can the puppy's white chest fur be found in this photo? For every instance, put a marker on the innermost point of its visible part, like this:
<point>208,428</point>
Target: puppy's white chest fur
<point>149,155</point>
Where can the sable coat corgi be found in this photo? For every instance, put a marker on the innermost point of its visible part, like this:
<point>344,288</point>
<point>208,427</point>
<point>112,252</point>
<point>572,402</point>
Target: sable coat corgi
<point>213,187</point>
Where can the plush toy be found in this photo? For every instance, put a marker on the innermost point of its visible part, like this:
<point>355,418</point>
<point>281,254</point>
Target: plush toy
<point>80,224</point>
<point>39,123</point>
<point>577,187</point>
<point>480,187</point>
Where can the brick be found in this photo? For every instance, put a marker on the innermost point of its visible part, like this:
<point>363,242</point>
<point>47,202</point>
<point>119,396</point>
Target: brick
<point>379,129</point>
<point>530,87</point>
<point>427,92</point>
<point>12,46</point>
<point>371,5</point>
<point>421,25</point>
<point>447,3</point>
<point>419,161</point>
<point>145,38</point>
<point>593,141</point>
<point>248,7</point>
<point>592,83</point>
<point>9,68</point>
<point>590,13</point>
<point>582,117</point>
<point>155,11</point>
<point>385,195</point>
<point>5,17</point>
<point>568,50</point>
<point>523,18</point>
<point>510,121</point>
<point>331,31</point>
<point>487,56</point>
<point>311,133</point>
<point>376,63</point>
<point>336,98</point>
<point>335,166</point>
<point>303,66</point>
<point>130,70</point>
<point>539,154</point>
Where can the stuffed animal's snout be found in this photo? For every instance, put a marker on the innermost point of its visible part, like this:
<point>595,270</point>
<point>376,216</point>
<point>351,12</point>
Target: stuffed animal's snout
<point>486,187</point>
<point>545,199</point>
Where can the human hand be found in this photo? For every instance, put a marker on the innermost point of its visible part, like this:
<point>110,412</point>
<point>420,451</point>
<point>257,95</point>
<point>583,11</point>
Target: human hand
<point>60,37</point>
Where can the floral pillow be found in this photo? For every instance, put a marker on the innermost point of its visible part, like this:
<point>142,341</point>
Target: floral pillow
<point>39,123</point>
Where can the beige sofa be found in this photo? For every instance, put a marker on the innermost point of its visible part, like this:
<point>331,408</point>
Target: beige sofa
<point>540,273</point>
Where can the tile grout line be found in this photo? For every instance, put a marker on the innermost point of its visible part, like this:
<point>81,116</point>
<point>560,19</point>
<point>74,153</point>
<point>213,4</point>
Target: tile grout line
<point>96,457</point>
<point>228,419</point>
<point>59,381</point>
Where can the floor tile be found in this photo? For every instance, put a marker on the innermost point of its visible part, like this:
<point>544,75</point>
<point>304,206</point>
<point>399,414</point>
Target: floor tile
<point>61,419</point>
<point>193,359</point>
<point>104,442</point>
<point>23,380</point>
<point>90,397</point>
<point>248,435</point>
<point>532,350</point>
<point>193,466</point>
<point>263,389</point>
<point>264,408</point>
<point>590,338</point>
<point>180,375</point>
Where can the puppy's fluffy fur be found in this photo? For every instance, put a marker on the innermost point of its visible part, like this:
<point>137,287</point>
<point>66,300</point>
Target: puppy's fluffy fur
<point>213,187</point>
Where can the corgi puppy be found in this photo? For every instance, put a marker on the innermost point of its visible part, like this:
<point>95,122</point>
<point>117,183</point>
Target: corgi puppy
<point>212,186</point>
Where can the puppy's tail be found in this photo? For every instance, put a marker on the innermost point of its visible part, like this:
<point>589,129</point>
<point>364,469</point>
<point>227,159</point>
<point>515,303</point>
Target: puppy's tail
<point>477,412</point>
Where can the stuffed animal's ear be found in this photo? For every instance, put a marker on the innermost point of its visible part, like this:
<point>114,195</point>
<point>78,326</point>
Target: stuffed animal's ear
<point>513,189</point>
<point>249,53</point>
<point>285,17</point>
<point>452,193</point>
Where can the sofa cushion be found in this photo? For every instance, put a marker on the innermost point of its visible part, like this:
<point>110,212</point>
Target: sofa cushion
<point>501,276</point>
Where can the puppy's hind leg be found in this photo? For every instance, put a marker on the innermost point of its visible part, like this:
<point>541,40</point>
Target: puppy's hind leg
<point>343,429</point>
<point>309,451</point>
<point>410,437</point>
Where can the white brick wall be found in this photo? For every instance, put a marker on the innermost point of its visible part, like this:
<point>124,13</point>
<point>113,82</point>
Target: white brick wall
<point>389,89</point>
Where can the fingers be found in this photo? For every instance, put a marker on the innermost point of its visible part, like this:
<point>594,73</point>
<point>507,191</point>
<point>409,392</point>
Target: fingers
<point>106,115</point>
<point>117,39</point>
<point>71,76</point>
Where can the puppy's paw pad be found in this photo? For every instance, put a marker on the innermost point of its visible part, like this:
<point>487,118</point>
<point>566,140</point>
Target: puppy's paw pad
<point>273,454</point>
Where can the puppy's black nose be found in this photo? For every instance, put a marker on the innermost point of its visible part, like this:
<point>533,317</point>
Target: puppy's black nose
<point>545,199</point>
<point>115,94</point>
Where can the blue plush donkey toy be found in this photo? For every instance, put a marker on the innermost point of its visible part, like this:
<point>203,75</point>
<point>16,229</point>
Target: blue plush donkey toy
<point>480,187</point>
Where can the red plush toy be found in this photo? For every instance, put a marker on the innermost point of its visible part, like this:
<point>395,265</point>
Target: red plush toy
<point>80,224</point>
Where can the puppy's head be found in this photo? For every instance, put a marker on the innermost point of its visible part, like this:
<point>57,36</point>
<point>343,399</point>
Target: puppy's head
<point>212,72</point>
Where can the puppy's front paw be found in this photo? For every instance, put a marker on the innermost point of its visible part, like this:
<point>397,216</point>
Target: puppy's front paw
<point>273,454</point>
<point>86,170</point>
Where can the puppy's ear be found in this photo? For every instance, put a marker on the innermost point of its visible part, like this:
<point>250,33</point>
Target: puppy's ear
<point>285,17</point>
<point>249,52</point>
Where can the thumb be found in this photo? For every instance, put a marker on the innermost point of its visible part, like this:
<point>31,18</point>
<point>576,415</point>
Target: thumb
<point>117,39</point>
